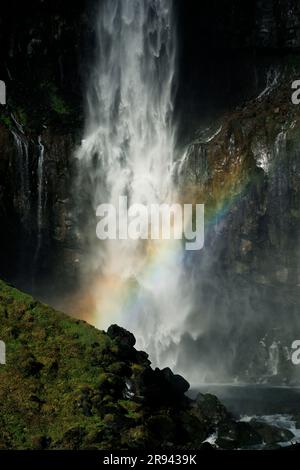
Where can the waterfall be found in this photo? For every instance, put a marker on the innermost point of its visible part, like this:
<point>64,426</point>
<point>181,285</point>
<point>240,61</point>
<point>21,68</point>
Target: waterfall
<point>23,165</point>
<point>128,149</point>
<point>274,358</point>
<point>40,195</point>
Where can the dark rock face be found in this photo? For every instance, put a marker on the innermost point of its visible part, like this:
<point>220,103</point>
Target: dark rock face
<point>43,49</point>
<point>227,61</point>
<point>38,243</point>
<point>277,24</point>
<point>247,173</point>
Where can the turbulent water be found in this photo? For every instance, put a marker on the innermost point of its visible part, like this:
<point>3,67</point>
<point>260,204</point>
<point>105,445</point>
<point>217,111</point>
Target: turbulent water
<point>128,150</point>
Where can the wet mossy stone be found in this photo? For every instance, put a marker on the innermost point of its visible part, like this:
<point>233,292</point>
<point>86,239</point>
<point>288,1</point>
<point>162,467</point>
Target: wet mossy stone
<point>237,435</point>
<point>138,437</point>
<point>191,429</point>
<point>29,365</point>
<point>272,434</point>
<point>209,407</point>
<point>162,427</point>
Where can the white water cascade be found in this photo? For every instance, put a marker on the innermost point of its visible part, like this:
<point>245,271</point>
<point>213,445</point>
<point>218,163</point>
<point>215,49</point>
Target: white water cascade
<point>23,164</point>
<point>40,196</point>
<point>128,149</point>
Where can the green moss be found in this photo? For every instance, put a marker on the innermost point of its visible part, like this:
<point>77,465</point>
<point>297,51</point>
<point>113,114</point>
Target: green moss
<point>22,116</point>
<point>6,120</point>
<point>56,101</point>
<point>48,364</point>
<point>65,385</point>
<point>132,409</point>
<point>293,63</point>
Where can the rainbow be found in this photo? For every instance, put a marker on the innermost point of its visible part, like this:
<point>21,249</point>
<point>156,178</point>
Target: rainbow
<point>116,297</point>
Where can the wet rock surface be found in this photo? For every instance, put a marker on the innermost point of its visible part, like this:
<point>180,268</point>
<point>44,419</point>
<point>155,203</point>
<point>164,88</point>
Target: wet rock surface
<point>245,169</point>
<point>271,434</point>
<point>36,174</point>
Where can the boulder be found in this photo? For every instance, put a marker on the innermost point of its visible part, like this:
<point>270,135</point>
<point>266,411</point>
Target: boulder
<point>272,434</point>
<point>177,383</point>
<point>208,407</point>
<point>237,435</point>
<point>122,336</point>
<point>162,427</point>
<point>297,421</point>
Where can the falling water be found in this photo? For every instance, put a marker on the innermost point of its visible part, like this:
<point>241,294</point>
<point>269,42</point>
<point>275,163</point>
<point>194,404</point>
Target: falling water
<point>40,195</point>
<point>23,164</point>
<point>274,358</point>
<point>128,149</point>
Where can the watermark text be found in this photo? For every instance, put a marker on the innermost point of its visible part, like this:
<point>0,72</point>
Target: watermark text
<point>296,353</point>
<point>154,222</point>
<point>2,353</point>
<point>2,92</point>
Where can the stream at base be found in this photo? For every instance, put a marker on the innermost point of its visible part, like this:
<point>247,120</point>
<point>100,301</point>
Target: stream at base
<point>277,406</point>
<point>253,399</point>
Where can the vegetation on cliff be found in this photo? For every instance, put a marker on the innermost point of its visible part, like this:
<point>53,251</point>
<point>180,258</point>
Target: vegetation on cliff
<point>67,385</point>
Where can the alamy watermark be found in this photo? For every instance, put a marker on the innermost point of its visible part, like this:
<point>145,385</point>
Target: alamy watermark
<point>152,222</point>
<point>2,353</point>
<point>296,94</point>
<point>296,353</point>
<point>2,92</point>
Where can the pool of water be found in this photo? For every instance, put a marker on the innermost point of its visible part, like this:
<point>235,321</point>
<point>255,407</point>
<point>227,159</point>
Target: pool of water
<point>252,400</point>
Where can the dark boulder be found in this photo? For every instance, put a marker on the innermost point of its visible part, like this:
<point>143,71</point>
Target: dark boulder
<point>177,383</point>
<point>125,342</point>
<point>209,408</point>
<point>237,435</point>
<point>122,336</point>
<point>191,429</point>
<point>272,434</point>
<point>162,427</point>
<point>297,421</point>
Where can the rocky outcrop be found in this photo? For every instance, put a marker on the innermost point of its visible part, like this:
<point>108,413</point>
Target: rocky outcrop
<point>66,385</point>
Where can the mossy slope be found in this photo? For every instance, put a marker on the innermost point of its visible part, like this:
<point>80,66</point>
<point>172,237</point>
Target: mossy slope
<point>67,385</point>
